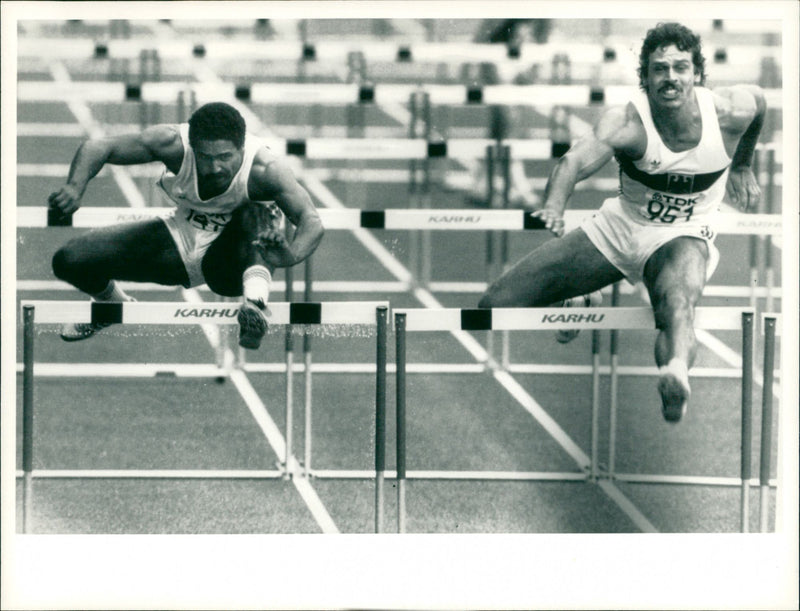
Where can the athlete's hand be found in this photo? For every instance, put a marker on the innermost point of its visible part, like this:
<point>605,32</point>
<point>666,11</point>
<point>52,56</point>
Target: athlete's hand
<point>742,188</point>
<point>553,221</point>
<point>67,199</point>
<point>275,248</point>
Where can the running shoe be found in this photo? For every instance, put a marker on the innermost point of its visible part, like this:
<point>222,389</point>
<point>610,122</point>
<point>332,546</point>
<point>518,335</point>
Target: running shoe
<point>252,324</point>
<point>673,385</point>
<point>592,300</point>
<point>76,331</point>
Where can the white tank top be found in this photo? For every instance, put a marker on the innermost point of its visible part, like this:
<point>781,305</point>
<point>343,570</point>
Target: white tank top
<point>668,187</point>
<point>214,213</point>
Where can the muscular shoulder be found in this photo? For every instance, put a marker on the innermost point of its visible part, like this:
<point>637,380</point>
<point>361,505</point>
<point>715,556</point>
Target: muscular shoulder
<point>164,141</point>
<point>621,128</point>
<point>269,175</point>
<point>738,105</point>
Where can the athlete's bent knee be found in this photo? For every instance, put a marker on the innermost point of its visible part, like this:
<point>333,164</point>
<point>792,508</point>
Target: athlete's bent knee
<point>65,263</point>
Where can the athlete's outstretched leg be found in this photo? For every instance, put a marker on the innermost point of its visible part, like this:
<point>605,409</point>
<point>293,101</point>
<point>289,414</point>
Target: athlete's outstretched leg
<point>569,271</point>
<point>557,270</point>
<point>675,276</point>
<point>139,252</point>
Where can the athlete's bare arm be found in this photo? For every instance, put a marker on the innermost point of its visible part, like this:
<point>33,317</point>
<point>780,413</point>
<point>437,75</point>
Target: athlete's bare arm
<point>618,130</point>
<point>272,179</point>
<point>741,110</point>
<point>157,143</point>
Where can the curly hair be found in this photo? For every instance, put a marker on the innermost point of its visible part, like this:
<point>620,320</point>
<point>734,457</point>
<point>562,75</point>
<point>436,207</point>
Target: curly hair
<point>217,121</point>
<point>666,34</point>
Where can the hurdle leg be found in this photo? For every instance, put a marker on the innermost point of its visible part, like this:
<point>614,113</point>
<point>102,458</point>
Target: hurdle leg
<point>490,239</point>
<point>27,418</point>
<point>766,420</point>
<point>768,255</point>
<point>614,391</point>
<point>755,243</point>
<point>380,417</point>
<point>289,349</point>
<point>505,164</point>
<point>307,379</point>
<point>595,402</point>
<point>400,338</point>
<point>747,411</point>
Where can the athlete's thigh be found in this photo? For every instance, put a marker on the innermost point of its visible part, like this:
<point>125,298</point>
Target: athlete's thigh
<point>231,253</point>
<point>224,262</point>
<point>142,252</point>
<point>558,269</point>
<point>677,269</point>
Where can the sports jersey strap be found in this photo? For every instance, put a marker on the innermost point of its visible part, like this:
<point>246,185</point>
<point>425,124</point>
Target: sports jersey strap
<point>669,182</point>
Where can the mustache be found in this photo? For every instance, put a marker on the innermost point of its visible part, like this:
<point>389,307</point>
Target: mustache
<point>666,86</point>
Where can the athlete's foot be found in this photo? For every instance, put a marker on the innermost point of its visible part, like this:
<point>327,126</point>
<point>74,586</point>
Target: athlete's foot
<point>252,324</point>
<point>76,331</point>
<point>592,300</point>
<point>673,385</point>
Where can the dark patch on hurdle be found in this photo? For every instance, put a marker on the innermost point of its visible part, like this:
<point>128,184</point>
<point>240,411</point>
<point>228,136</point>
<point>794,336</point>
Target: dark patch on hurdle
<point>532,222</point>
<point>106,313</point>
<point>243,92</point>
<point>373,219</point>
<point>474,95</point>
<point>366,94</point>
<point>559,149</point>
<point>56,218</point>
<point>437,149</point>
<point>305,313</point>
<point>296,147</point>
<point>476,319</point>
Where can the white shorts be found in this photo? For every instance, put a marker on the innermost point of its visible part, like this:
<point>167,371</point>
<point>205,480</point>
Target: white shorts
<point>193,235</point>
<point>628,244</point>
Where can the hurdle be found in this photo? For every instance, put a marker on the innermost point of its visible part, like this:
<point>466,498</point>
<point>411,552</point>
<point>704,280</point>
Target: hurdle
<point>360,313</point>
<point>551,319</point>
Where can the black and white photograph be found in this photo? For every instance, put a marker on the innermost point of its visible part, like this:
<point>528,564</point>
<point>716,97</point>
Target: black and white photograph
<point>399,305</point>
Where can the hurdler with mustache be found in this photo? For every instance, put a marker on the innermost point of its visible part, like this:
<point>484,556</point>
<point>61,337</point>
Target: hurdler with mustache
<point>679,146</point>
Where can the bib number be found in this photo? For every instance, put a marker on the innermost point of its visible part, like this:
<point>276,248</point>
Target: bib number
<point>668,209</point>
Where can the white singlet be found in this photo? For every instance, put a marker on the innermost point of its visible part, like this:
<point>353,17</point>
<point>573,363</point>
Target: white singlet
<point>663,195</point>
<point>196,223</point>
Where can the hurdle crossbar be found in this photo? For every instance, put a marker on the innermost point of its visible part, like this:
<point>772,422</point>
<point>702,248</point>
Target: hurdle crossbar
<point>541,319</point>
<point>451,52</point>
<point>183,313</point>
<point>289,313</point>
<point>390,219</point>
<point>336,93</point>
<point>397,149</point>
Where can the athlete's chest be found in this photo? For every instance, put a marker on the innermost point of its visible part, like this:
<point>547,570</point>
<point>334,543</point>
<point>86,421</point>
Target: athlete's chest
<point>681,137</point>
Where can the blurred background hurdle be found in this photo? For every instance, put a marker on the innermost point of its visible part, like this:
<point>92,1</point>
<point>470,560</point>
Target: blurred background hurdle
<point>369,314</point>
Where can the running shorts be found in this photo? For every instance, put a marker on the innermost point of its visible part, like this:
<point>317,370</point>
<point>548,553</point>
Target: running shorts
<point>193,233</point>
<point>628,243</point>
